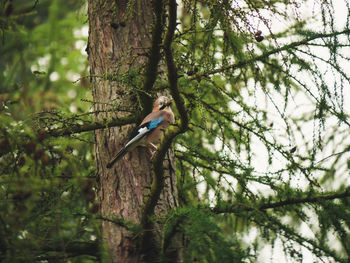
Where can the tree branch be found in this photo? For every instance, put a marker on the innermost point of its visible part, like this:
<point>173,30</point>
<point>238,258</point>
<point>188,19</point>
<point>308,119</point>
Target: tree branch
<point>225,207</point>
<point>154,57</point>
<point>241,64</point>
<point>119,221</point>
<point>313,199</point>
<point>318,248</point>
<point>71,248</point>
<point>170,134</point>
<point>68,130</point>
<point>127,224</point>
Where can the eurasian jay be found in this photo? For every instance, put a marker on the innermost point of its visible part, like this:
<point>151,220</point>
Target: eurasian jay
<point>151,129</point>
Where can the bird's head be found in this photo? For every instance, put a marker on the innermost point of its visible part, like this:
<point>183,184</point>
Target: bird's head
<point>162,103</point>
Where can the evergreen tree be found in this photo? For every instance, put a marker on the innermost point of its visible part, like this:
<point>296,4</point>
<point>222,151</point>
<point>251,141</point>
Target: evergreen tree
<point>257,160</point>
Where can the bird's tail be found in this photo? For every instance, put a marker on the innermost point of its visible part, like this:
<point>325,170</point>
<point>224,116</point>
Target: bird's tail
<point>119,155</point>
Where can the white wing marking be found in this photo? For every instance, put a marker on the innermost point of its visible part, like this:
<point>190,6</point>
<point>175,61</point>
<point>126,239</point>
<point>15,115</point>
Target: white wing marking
<point>141,133</point>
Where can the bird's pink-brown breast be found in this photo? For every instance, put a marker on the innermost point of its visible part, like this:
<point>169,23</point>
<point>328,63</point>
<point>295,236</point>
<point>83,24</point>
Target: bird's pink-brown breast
<point>157,134</point>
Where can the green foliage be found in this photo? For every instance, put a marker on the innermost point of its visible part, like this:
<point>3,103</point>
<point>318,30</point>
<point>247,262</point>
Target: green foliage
<point>245,154</point>
<point>46,184</point>
<point>204,240</point>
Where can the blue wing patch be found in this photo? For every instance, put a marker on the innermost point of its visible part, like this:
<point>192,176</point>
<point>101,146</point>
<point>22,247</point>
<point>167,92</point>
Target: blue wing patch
<point>143,130</point>
<point>154,123</point>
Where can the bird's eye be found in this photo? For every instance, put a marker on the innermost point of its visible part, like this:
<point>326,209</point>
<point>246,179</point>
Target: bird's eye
<point>160,103</point>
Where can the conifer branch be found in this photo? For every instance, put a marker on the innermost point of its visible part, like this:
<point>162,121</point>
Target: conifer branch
<point>224,207</point>
<point>119,221</point>
<point>243,63</point>
<point>313,199</point>
<point>71,248</point>
<point>96,125</point>
<point>316,247</point>
<point>128,225</point>
<point>86,127</point>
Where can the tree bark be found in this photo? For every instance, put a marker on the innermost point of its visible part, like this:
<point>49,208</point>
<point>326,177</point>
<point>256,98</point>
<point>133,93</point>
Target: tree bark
<point>117,34</point>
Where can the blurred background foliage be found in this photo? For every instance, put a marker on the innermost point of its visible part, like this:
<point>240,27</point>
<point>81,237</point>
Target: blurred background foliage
<point>46,185</point>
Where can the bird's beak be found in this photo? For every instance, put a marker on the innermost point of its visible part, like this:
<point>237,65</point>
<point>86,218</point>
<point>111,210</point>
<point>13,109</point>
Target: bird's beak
<point>166,105</point>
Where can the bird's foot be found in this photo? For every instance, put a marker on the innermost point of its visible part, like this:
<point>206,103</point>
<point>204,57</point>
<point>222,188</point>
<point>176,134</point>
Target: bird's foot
<point>152,152</point>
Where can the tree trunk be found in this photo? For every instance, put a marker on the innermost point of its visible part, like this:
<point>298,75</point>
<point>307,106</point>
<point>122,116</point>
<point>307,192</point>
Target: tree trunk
<point>117,35</point>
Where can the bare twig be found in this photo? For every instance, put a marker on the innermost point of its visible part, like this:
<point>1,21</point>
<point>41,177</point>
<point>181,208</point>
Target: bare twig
<point>68,130</point>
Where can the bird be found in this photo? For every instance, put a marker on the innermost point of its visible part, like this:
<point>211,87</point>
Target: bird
<point>151,129</point>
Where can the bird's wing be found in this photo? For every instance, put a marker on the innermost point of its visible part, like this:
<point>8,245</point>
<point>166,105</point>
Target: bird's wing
<point>152,116</point>
<point>151,122</point>
<point>144,129</point>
